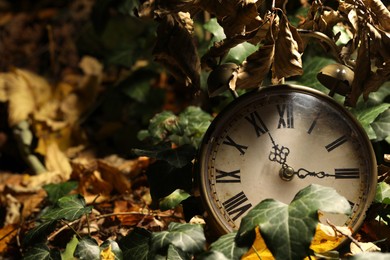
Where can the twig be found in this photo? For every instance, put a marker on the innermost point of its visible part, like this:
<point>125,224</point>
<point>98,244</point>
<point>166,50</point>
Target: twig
<point>69,224</point>
<point>347,235</point>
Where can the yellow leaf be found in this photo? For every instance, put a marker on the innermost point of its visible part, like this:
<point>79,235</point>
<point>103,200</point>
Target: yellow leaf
<point>259,250</point>
<point>107,254</point>
<point>326,239</point>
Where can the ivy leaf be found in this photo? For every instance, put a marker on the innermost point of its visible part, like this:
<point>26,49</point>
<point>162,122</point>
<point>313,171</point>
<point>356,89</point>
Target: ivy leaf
<point>136,244</point>
<point>175,253</point>
<point>110,250</point>
<point>186,237</point>
<point>56,191</point>
<point>381,126</point>
<point>382,193</point>
<point>213,255</point>
<point>226,245</point>
<point>70,248</point>
<point>39,233</point>
<point>69,207</point>
<point>367,115</point>
<point>42,252</point>
<point>289,229</point>
<point>173,199</point>
<point>87,248</point>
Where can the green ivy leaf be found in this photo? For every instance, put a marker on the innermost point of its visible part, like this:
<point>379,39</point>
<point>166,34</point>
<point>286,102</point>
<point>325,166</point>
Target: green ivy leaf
<point>367,115</point>
<point>226,245</point>
<point>289,229</point>
<point>136,244</point>
<point>381,126</point>
<point>175,253</point>
<point>173,199</point>
<point>382,193</point>
<point>186,237</point>
<point>117,252</point>
<point>39,233</point>
<point>70,248</point>
<point>213,255</point>
<point>56,191</point>
<point>87,248</point>
<point>69,207</point>
<point>42,252</point>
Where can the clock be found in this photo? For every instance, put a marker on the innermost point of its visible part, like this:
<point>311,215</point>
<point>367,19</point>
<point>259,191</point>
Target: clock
<point>277,140</point>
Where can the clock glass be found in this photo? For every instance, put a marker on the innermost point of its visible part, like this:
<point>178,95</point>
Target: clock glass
<point>275,141</point>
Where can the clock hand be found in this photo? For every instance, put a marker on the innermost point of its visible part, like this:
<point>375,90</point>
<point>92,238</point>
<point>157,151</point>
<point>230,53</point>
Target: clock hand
<point>306,173</point>
<point>278,154</point>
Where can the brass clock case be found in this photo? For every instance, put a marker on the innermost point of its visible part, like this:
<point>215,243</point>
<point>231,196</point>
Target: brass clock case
<point>241,158</point>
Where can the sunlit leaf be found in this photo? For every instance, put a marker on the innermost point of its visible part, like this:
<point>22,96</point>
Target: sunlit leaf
<point>186,237</point>
<point>87,248</point>
<point>382,193</point>
<point>56,191</point>
<point>70,248</point>
<point>70,207</point>
<point>42,252</point>
<point>289,229</point>
<point>135,246</point>
<point>227,246</point>
<point>173,199</point>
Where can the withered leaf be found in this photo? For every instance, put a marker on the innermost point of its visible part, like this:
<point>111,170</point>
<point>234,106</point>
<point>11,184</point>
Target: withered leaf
<point>256,67</point>
<point>175,48</point>
<point>362,71</point>
<point>287,61</point>
<point>381,12</point>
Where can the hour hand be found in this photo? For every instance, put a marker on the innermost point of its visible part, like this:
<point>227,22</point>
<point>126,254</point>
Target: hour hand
<point>278,154</point>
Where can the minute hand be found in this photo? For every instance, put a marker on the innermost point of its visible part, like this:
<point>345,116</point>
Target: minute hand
<point>303,173</point>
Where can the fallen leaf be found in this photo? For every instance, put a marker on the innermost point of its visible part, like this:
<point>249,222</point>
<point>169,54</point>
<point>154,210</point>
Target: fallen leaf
<point>7,233</point>
<point>56,161</point>
<point>13,207</point>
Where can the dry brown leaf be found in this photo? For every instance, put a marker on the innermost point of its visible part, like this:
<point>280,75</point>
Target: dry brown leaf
<point>256,67</point>
<point>13,207</point>
<point>287,60</point>
<point>115,177</point>
<point>56,161</point>
<point>182,59</point>
<point>381,12</point>
<point>362,70</point>
<point>7,233</point>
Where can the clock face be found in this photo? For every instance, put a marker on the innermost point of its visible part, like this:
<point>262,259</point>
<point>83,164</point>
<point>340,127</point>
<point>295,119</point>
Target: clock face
<point>276,141</point>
